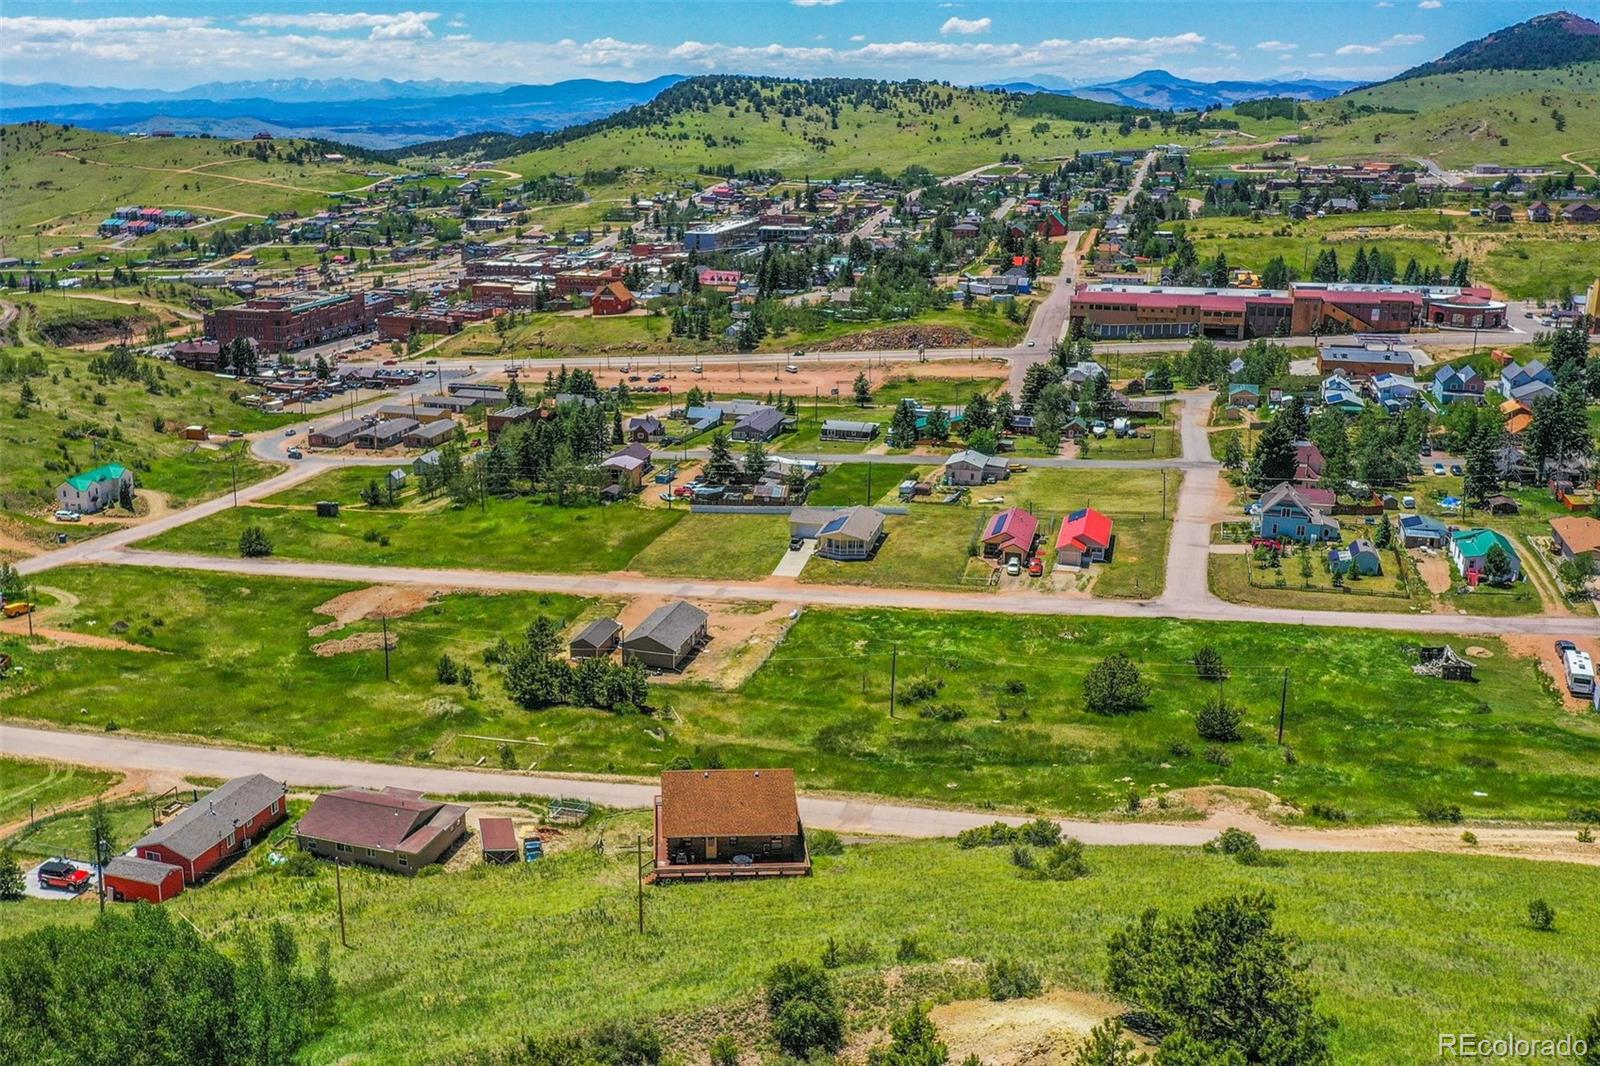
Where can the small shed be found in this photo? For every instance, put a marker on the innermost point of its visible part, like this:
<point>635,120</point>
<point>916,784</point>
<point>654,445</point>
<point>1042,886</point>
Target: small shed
<point>499,838</point>
<point>134,880</point>
<point>1501,504</point>
<point>596,640</point>
<point>327,508</point>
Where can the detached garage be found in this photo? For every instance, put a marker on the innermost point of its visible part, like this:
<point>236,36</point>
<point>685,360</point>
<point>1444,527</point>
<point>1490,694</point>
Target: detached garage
<point>133,880</point>
<point>671,634</point>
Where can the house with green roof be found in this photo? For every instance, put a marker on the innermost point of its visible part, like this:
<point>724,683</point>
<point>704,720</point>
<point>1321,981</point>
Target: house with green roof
<point>94,490</point>
<point>1469,550</point>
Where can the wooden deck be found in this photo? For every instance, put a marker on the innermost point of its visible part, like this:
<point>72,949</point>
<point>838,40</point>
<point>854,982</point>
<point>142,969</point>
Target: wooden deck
<point>663,871</point>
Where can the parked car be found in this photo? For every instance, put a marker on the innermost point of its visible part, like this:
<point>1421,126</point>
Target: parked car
<point>1036,567</point>
<point>1455,469</point>
<point>59,873</point>
<point>657,376</point>
<point>1014,567</point>
<point>66,515</point>
<point>1438,470</point>
<point>791,369</point>
<point>291,431</point>
<point>296,453</point>
<point>1410,502</point>
<point>1263,542</point>
<point>235,434</point>
<point>1564,646</point>
<point>795,543</point>
<point>390,362</point>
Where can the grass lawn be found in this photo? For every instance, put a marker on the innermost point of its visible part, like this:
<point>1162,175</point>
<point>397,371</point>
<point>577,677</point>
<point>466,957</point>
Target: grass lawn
<point>343,484</point>
<point>1399,946</point>
<point>1138,566</point>
<point>1368,735</point>
<point>43,786</point>
<point>69,833</point>
<point>1056,489</point>
<point>1162,443</point>
<point>507,535</point>
<point>737,547</point>
<point>1231,578</point>
<point>928,547</point>
<point>847,484</point>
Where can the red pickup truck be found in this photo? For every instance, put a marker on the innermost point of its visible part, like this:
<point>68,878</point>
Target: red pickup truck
<point>58,873</point>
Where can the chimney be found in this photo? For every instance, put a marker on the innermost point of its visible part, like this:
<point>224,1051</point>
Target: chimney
<point>212,804</point>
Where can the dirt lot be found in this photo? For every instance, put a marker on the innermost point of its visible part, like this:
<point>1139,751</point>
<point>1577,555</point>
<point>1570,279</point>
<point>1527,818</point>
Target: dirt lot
<point>1543,648</point>
<point>812,377</point>
<point>742,636</point>
<point>1434,569</point>
<point>1043,1031</point>
<point>394,601</point>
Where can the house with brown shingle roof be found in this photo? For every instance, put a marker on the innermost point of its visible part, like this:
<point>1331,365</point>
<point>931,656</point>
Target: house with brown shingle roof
<point>728,823</point>
<point>1575,535</point>
<point>393,829</point>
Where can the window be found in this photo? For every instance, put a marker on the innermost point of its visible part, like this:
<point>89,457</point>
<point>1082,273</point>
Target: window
<point>342,847</point>
<point>231,837</point>
<point>371,853</point>
<point>401,859</point>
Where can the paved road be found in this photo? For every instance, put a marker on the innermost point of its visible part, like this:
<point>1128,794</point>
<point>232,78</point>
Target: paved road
<point>845,814</point>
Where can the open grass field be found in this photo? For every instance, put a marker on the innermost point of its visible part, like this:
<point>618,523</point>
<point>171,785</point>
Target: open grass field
<point>64,181</point>
<point>80,422</point>
<point>513,534</point>
<point>557,334</point>
<point>1521,261</point>
<point>738,547</point>
<point>1400,947</point>
<point>41,786</point>
<point>928,548</point>
<point>1367,734</point>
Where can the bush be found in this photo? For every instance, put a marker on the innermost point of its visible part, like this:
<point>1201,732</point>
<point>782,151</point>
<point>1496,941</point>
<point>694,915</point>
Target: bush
<point>1113,686</point>
<point>923,688</point>
<point>1107,1046</point>
<point>804,1009</point>
<point>618,1043</point>
<point>254,543</point>
<point>1590,815</point>
<point>910,949</point>
<point>942,712</point>
<point>447,672</point>
<point>1469,838</point>
<point>1064,862</point>
<point>1438,812</point>
<point>994,835</point>
<point>299,864</point>
<point>13,886</point>
<point>1242,846</point>
<point>723,1051</point>
<point>1541,915</point>
<point>1008,978</point>
<point>1218,721</point>
<point>1208,665</point>
<point>1329,813</point>
<point>824,842</point>
<point>1217,755</point>
<point>1041,833</point>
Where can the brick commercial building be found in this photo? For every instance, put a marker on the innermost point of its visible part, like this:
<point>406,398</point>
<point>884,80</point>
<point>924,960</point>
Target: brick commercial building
<point>583,282</point>
<point>1151,311</point>
<point>279,324</point>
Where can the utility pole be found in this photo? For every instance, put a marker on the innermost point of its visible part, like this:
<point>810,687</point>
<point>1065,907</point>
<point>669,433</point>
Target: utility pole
<point>868,500</point>
<point>1283,704</point>
<point>894,669</point>
<point>338,890</point>
<point>638,844</point>
<point>386,647</point>
<point>1163,493</point>
<point>99,843</point>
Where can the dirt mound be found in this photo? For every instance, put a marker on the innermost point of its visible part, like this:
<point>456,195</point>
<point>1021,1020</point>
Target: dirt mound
<point>893,337</point>
<point>360,642</point>
<point>392,601</point>
<point>1020,1032</point>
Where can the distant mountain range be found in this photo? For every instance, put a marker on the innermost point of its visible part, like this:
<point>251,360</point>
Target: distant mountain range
<point>1541,43</point>
<point>372,114</point>
<point>1164,91</point>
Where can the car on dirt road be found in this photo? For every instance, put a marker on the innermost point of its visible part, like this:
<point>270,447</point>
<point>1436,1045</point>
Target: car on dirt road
<point>63,875</point>
<point>296,453</point>
<point>65,515</point>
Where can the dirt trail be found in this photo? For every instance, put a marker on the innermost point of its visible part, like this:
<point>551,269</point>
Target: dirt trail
<point>378,601</point>
<point>1580,164</point>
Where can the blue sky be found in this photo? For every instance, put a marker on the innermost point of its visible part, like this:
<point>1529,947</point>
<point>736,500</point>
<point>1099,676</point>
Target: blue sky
<point>173,45</point>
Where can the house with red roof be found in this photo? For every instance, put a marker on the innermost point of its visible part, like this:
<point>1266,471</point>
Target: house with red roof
<point>719,280</point>
<point>1085,538</point>
<point>1011,534</point>
<point>1053,224</point>
<point>1308,462</point>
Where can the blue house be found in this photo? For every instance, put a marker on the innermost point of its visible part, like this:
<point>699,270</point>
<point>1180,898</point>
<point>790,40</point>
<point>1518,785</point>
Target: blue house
<point>1527,382</point>
<point>1360,555</point>
<point>1456,383</point>
<point>1422,531</point>
<point>1287,513</point>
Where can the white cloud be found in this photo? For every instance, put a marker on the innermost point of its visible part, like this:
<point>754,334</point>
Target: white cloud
<point>1277,46</point>
<point>398,26</point>
<point>1400,40</point>
<point>1383,3</point>
<point>1431,5</point>
<point>858,36</point>
<point>815,3</point>
<point>1357,50</point>
<point>968,26</point>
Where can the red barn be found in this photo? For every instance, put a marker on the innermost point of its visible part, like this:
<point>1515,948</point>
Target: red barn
<point>612,299</point>
<point>220,824</point>
<point>133,880</point>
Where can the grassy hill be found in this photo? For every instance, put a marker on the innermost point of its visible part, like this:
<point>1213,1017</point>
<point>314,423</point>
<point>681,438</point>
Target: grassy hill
<point>58,183</point>
<point>822,128</point>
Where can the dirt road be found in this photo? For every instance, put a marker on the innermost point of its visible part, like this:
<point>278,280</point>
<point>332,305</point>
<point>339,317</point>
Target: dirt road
<point>843,814</point>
